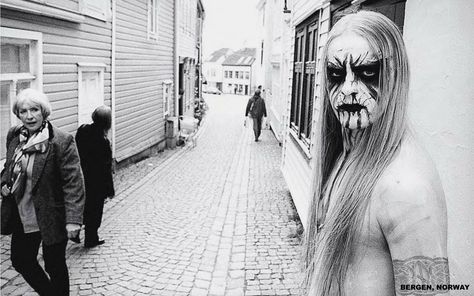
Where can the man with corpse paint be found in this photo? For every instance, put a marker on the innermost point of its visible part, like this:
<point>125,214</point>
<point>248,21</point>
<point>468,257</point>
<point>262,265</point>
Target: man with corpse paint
<point>377,223</point>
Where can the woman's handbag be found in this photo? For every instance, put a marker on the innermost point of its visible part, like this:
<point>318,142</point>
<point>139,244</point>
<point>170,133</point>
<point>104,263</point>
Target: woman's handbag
<point>9,212</point>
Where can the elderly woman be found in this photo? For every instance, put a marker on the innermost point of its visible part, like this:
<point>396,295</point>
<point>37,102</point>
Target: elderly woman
<point>42,190</point>
<point>96,163</point>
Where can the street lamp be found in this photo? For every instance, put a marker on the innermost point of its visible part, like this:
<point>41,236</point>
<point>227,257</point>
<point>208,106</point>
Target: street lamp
<point>285,9</point>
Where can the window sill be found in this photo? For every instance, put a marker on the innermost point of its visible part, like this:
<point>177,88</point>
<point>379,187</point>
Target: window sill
<point>43,9</point>
<point>152,37</point>
<point>303,147</point>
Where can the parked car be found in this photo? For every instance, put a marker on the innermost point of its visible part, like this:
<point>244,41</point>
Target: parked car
<point>212,90</point>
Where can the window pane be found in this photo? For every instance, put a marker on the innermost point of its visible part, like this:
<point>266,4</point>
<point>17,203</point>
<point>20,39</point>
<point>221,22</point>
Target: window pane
<point>5,116</point>
<point>21,85</point>
<point>15,58</point>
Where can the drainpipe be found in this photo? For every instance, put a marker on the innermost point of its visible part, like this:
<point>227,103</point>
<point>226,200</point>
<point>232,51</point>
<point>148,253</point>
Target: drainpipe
<point>113,69</point>
<point>176,58</point>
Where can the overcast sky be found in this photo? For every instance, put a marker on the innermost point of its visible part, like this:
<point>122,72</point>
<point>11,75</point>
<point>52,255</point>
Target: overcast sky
<point>229,23</point>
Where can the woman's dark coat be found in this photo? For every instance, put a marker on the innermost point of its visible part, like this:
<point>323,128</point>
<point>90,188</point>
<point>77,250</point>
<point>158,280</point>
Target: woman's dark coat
<point>96,163</point>
<point>58,187</point>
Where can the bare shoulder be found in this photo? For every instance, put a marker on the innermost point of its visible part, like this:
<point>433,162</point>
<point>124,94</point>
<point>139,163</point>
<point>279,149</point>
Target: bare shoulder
<point>410,188</point>
<point>410,209</point>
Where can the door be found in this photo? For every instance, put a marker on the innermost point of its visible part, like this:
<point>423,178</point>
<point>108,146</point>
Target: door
<point>91,92</point>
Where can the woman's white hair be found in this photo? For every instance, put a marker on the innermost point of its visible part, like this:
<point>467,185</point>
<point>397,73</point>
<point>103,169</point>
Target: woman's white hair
<point>328,251</point>
<point>34,96</point>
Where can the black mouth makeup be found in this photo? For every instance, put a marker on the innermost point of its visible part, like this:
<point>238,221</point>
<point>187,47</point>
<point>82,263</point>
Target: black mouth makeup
<point>351,107</point>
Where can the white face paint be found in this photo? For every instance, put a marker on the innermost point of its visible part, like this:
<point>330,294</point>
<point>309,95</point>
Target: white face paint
<point>353,74</point>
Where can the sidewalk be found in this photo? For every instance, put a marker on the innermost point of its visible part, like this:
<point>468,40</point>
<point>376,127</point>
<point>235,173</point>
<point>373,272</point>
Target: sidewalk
<point>216,219</point>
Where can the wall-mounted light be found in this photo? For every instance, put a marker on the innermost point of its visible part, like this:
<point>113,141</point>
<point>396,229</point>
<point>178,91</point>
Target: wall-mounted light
<point>285,9</point>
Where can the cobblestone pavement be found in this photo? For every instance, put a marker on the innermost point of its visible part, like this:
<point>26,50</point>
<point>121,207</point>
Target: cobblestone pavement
<point>216,219</point>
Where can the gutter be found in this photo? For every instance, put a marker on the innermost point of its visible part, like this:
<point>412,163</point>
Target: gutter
<point>112,74</point>
<point>176,59</point>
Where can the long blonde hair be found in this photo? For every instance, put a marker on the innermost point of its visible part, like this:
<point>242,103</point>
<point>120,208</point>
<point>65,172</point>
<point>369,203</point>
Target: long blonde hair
<point>327,253</point>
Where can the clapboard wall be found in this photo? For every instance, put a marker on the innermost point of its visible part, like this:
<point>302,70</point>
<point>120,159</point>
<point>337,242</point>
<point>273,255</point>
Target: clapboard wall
<point>142,64</point>
<point>65,44</point>
<point>298,160</point>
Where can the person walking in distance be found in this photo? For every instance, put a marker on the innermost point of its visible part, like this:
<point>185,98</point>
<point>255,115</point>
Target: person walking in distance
<point>257,110</point>
<point>96,162</point>
<point>42,190</point>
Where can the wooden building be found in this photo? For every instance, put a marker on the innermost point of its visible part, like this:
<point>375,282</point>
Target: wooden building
<point>63,48</point>
<point>144,72</point>
<point>85,53</point>
<point>190,18</point>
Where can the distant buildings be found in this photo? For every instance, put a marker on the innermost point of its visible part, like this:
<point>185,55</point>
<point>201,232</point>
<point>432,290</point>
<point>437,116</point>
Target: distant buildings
<point>232,72</point>
<point>212,67</point>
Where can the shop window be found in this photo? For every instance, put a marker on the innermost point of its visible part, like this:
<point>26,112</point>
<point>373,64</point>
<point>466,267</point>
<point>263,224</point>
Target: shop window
<point>304,78</point>
<point>21,67</point>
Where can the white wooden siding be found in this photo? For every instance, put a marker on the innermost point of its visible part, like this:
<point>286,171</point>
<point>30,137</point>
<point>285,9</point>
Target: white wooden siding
<point>187,28</point>
<point>64,45</point>
<point>142,65</point>
<point>296,167</point>
<point>297,174</point>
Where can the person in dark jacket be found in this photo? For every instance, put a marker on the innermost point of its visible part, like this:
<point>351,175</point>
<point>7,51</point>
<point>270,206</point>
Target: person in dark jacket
<point>42,189</point>
<point>257,110</point>
<point>96,162</point>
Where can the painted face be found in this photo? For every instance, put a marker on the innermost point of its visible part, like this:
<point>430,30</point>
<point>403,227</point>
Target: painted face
<point>353,74</point>
<point>31,116</point>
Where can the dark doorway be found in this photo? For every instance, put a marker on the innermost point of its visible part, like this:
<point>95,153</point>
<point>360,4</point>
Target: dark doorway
<point>181,89</point>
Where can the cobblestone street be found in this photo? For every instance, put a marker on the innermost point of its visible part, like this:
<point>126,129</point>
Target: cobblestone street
<point>216,219</point>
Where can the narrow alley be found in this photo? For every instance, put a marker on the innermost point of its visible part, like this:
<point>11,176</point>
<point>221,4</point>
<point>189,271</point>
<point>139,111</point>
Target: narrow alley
<point>216,219</point>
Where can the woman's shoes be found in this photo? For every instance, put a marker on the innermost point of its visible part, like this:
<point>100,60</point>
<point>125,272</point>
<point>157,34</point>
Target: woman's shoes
<point>94,244</point>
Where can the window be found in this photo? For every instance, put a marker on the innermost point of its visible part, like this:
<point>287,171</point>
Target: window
<point>304,78</point>
<point>247,75</point>
<point>167,87</point>
<point>91,90</point>
<point>22,67</point>
<point>230,74</point>
<point>97,9</point>
<point>237,74</point>
<point>152,19</point>
<point>226,74</point>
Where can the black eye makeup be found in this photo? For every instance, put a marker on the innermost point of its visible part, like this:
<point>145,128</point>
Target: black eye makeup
<point>335,74</point>
<point>368,73</point>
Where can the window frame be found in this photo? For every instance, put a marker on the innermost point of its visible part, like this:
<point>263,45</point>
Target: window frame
<point>167,84</point>
<point>304,79</point>
<point>152,19</point>
<point>100,10</point>
<point>35,74</point>
<point>91,68</point>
